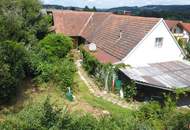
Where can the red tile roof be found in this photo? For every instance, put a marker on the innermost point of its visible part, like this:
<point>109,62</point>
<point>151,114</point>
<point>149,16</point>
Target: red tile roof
<point>118,35</point>
<point>114,35</point>
<point>172,23</point>
<point>102,56</point>
<point>70,23</point>
<point>186,26</point>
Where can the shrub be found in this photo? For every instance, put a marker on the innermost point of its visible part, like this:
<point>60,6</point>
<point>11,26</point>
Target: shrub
<point>90,63</point>
<point>8,83</point>
<point>49,115</point>
<point>178,121</point>
<point>130,90</point>
<point>49,61</point>
<point>63,74</point>
<point>46,116</point>
<point>14,64</point>
<point>86,122</point>
<point>15,55</point>
<point>54,45</point>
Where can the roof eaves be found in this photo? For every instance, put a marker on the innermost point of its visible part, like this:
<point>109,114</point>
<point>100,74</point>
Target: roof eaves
<point>155,86</point>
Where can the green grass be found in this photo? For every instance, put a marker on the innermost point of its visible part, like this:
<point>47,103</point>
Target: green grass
<point>57,97</point>
<point>99,102</point>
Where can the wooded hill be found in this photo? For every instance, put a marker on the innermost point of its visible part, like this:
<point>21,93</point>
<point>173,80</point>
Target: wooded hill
<point>176,12</point>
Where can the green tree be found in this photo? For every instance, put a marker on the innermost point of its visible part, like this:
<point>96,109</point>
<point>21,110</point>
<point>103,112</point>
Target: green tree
<point>22,21</point>
<point>7,83</point>
<point>54,45</point>
<point>50,116</point>
<point>86,8</point>
<point>50,61</point>
<point>13,62</point>
<point>94,9</point>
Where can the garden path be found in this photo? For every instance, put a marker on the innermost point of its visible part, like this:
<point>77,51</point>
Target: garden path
<point>93,88</point>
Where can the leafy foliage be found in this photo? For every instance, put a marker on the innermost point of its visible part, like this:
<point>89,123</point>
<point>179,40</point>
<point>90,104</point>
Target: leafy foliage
<point>54,45</point>
<point>47,116</point>
<point>13,61</point>
<point>7,83</point>
<point>106,73</point>
<point>49,61</point>
<point>22,21</point>
<point>130,90</point>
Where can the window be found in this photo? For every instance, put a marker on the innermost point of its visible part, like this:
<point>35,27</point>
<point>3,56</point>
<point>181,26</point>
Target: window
<point>159,42</point>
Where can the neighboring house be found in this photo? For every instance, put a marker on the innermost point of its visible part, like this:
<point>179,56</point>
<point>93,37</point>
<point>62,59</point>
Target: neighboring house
<point>179,29</point>
<point>146,44</point>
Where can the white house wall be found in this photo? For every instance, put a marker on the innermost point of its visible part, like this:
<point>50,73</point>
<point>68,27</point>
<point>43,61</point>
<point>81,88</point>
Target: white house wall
<point>186,35</point>
<point>146,52</point>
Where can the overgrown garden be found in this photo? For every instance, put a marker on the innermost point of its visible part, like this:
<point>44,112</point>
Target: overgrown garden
<point>107,75</point>
<point>46,116</point>
<point>29,51</point>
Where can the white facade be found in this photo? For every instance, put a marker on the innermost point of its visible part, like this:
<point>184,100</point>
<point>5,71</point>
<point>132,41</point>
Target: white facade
<point>146,52</point>
<point>183,35</point>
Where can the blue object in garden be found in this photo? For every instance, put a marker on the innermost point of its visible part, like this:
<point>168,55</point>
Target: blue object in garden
<point>69,95</point>
<point>118,84</point>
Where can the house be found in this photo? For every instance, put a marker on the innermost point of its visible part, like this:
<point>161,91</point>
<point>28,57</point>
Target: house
<point>179,29</point>
<point>146,44</point>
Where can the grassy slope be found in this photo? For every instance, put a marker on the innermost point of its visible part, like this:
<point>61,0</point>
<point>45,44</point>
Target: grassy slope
<point>84,103</point>
<point>99,102</point>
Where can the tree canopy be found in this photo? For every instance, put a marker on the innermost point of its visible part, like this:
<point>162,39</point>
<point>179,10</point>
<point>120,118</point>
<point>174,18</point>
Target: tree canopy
<point>22,21</point>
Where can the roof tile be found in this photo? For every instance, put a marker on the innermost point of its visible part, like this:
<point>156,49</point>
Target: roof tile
<point>116,35</point>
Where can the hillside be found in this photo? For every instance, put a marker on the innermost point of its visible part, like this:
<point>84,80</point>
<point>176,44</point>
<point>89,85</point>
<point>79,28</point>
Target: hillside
<point>176,12</point>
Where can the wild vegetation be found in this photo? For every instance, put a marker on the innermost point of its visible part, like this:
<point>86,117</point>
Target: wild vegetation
<point>47,116</point>
<point>106,73</point>
<point>26,51</point>
<point>50,62</point>
<point>30,55</point>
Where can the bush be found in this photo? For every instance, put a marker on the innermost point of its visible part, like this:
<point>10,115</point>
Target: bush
<point>46,116</point>
<point>86,122</point>
<point>179,121</point>
<point>15,55</point>
<point>8,84</point>
<point>90,63</point>
<point>63,74</point>
<point>50,62</point>
<point>54,45</point>
<point>14,64</point>
<point>130,90</point>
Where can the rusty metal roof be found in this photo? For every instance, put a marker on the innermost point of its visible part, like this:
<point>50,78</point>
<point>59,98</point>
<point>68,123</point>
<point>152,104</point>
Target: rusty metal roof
<point>166,75</point>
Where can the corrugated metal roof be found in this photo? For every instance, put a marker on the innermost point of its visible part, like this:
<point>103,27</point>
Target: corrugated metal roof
<point>166,75</point>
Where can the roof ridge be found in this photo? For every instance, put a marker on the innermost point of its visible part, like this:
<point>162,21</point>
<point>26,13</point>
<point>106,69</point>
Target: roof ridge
<point>117,15</point>
<point>103,22</point>
<point>85,25</point>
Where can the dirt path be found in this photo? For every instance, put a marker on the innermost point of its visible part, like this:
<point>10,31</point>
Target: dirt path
<point>98,93</point>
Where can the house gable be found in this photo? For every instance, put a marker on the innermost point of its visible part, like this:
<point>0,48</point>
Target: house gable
<point>146,51</point>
